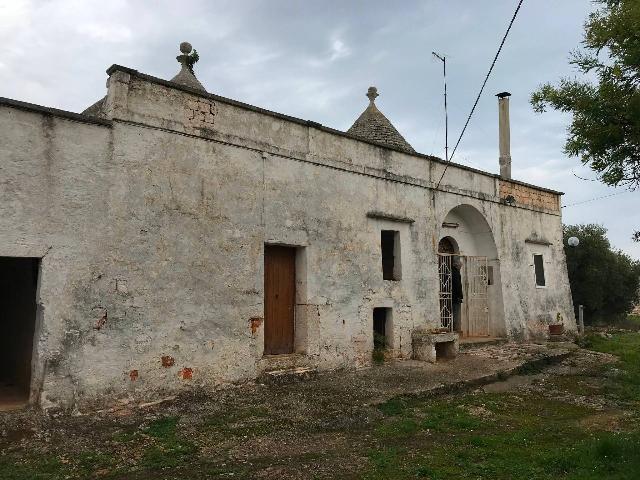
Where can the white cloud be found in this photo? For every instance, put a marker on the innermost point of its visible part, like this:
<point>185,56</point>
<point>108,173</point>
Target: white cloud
<point>105,32</point>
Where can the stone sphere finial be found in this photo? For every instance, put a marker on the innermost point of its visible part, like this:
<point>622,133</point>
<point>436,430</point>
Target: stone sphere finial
<point>372,93</point>
<point>185,48</point>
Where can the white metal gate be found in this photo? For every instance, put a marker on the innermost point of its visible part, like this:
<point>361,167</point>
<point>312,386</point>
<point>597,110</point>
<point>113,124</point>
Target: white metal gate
<point>476,300</point>
<point>475,308</point>
<point>445,291</point>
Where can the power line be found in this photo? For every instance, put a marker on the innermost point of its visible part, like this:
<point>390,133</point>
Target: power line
<point>596,198</point>
<point>475,104</point>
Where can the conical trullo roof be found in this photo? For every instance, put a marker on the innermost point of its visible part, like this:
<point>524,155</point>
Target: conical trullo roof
<point>374,126</point>
<point>185,76</point>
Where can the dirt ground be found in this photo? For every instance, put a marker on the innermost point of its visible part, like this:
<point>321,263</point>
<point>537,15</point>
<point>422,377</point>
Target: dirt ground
<point>291,427</point>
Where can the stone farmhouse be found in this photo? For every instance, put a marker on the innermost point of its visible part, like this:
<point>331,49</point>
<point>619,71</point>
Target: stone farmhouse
<point>168,239</point>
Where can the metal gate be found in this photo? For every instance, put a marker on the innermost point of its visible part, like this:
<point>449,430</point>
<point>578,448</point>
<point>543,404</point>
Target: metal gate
<point>445,291</point>
<point>477,324</point>
<point>475,308</point>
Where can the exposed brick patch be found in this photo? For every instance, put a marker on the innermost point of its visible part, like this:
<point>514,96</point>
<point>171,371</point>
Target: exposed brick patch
<point>186,373</point>
<point>200,113</point>
<point>133,375</point>
<point>168,361</point>
<point>254,324</point>
<point>102,319</point>
<point>530,196</point>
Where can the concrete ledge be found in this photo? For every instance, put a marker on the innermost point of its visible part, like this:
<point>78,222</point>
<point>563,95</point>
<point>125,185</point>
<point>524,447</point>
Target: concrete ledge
<point>526,367</point>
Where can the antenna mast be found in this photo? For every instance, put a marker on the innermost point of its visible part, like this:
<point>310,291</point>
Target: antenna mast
<point>443,59</point>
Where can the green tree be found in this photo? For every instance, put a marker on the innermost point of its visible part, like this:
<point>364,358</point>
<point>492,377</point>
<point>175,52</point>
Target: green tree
<point>605,105</point>
<point>605,281</point>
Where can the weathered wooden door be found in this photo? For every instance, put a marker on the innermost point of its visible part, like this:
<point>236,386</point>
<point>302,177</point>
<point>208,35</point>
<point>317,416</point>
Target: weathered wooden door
<point>279,299</point>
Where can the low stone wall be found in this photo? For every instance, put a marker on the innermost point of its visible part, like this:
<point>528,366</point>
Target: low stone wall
<point>428,345</point>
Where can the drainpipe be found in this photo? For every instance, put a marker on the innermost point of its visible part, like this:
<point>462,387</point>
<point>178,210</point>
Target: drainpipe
<point>504,134</point>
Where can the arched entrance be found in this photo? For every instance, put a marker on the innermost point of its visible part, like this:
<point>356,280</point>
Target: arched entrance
<point>466,239</point>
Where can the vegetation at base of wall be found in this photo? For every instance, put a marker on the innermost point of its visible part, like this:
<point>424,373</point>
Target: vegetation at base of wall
<point>379,348</point>
<point>633,320</point>
<point>604,280</point>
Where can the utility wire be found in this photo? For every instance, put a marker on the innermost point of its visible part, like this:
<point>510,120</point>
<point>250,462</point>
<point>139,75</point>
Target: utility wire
<point>597,198</point>
<point>495,59</point>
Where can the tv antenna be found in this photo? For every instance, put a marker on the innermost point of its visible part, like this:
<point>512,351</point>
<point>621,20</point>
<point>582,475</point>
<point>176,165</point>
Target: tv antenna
<point>443,59</point>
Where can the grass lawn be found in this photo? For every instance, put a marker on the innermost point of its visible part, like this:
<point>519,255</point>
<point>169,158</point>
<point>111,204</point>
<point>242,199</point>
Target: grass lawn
<point>567,422</point>
<point>509,435</point>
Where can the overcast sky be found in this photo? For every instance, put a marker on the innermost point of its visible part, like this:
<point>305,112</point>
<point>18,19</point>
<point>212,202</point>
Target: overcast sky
<point>315,60</point>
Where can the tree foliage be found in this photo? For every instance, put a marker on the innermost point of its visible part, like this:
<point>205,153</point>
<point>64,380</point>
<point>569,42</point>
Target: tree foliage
<point>605,105</point>
<point>605,281</point>
<point>192,59</point>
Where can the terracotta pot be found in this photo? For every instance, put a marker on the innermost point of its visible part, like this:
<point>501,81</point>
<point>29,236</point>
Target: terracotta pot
<point>557,329</point>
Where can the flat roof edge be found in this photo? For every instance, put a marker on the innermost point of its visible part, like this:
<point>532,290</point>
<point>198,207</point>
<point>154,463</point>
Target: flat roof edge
<point>307,123</point>
<point>32,107</point>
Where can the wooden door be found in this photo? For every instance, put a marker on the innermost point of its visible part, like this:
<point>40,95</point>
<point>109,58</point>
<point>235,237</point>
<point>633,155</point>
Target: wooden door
<point>279,299</point>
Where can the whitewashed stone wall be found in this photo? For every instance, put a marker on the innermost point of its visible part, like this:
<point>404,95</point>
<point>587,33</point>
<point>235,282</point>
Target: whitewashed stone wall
<point>151,226</point>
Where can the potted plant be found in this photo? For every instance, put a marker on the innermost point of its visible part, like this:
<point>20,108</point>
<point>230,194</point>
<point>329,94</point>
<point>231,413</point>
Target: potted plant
<point>558,327</point>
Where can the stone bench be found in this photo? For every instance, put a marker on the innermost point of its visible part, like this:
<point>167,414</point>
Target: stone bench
<point>429,346</point>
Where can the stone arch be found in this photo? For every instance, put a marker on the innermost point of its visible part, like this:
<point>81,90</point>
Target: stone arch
<point>467,228</point>
<point>448,245</point>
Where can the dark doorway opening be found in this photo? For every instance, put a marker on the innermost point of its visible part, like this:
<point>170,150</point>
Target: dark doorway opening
<point>445,350</point>
<point>381,328</point>
<point>18,286</point>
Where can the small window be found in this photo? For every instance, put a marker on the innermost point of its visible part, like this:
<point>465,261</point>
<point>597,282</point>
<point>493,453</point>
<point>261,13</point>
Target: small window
<point>538,265</point>
<point>390,245</point>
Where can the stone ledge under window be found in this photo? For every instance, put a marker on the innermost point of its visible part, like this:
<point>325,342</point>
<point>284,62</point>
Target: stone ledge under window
<point>538,241</point>
<point>389,216</point>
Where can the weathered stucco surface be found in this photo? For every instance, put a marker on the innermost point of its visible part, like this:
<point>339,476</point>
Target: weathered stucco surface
<point>151,225</point>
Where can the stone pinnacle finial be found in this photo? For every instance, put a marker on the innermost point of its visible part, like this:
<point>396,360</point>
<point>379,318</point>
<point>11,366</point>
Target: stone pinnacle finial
<point>372,93</point>
<point>185,49</point>
<point>186,77</point>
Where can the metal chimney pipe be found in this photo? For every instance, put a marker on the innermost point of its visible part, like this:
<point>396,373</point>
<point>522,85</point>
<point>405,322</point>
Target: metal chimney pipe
<point>504,134</point>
